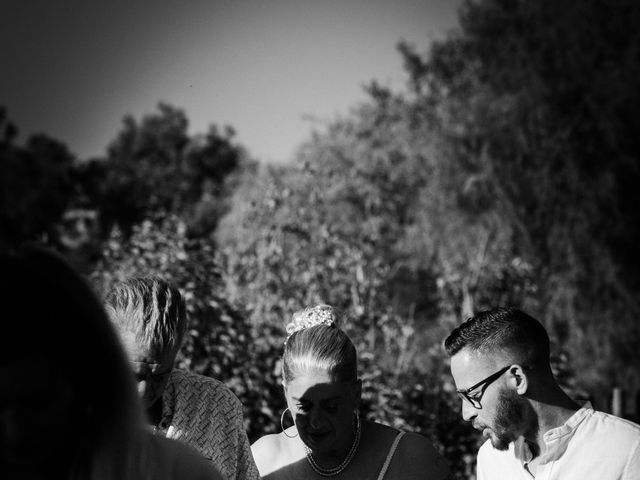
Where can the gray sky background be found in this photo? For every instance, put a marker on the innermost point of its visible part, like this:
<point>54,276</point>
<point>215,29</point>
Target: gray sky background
<point>74,68</point>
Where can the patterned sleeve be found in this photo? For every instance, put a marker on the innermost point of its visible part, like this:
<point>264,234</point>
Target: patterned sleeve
<point>205,414</point>
<point>246,466</point>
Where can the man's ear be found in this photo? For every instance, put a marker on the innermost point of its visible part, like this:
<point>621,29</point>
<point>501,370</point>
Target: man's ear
<point>519,379</point>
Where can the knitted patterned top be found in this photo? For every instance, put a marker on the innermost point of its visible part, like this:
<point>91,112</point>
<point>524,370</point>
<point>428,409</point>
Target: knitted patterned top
<point>203,413</point>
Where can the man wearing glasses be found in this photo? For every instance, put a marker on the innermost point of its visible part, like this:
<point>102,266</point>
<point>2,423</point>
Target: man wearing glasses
<point>149,315</point>
<point>500,365</point>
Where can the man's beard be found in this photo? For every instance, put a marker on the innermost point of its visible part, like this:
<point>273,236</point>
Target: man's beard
<point>509,421</point>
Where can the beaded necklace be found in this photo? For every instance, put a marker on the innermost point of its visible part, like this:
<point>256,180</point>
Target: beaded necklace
<point>332,472</point>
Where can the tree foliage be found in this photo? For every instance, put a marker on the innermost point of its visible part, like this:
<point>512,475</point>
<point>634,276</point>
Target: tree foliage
<point>539,98</point>
<point>36,185</point>
<point>154,166</point>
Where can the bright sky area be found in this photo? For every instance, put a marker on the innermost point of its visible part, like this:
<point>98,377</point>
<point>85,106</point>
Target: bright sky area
<point>271,69</point>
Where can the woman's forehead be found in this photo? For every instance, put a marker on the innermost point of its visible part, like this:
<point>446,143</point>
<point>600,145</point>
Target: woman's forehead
<point>317,385</point>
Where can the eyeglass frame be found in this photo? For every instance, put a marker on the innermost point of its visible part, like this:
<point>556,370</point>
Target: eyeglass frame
<point>155,371</point>
<point>475,402</point>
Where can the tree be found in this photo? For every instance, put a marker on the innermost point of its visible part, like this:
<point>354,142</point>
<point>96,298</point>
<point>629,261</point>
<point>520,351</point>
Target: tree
<point>35,186</point>
<point>155,167</point>
<point>539,98</point>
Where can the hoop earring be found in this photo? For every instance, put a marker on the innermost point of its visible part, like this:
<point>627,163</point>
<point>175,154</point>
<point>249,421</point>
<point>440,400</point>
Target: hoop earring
<point>356,419</point>
<point>282,424</point>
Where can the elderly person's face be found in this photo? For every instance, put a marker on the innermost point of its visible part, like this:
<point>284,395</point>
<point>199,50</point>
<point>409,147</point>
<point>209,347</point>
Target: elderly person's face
<point>150,367</point>
<point>324,411</point>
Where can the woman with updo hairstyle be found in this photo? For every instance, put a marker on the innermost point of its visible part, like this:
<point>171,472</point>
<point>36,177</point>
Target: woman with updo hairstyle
<point>328,437</point>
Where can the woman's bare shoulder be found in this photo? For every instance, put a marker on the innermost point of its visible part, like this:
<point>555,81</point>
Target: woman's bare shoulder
<point>380,430</point>
<point>271,452</point>
<point>417,453</point>
<point>414,458</point>
<point>416,442</point>
<point>266,446</point>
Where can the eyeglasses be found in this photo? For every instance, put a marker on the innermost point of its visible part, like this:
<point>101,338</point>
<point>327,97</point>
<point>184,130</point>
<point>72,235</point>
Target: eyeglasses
<point>474,397</point>
<point>147,371</point>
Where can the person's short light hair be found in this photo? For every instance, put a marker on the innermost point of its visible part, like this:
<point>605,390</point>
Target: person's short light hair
<point>151,308</point>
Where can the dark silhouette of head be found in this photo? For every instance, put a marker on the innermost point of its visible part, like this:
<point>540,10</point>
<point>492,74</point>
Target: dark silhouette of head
<point>72,410</point>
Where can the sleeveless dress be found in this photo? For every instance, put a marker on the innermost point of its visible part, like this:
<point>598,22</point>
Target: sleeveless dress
<point>392,450</point>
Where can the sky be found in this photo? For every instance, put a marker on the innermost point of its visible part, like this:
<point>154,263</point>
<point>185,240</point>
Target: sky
<point>271,69</point>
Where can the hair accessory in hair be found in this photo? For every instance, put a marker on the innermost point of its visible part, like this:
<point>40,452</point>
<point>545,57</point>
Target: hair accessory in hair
<point>310,317</point>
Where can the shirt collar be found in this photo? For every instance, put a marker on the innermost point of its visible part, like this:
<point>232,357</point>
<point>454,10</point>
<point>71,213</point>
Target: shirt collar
<point>569,427</point>
<point>556,439</point>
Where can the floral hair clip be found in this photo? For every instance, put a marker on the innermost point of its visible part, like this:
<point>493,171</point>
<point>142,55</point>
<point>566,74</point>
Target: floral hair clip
<point>310,317</point>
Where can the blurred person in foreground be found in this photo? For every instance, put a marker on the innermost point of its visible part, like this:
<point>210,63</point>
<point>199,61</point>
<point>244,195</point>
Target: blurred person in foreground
<point>150,316</point>
<point>500,365</point>
<point>328,438</point>
<point>68,404</point>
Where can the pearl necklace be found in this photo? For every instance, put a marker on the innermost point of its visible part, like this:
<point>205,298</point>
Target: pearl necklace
<point>332,472</point>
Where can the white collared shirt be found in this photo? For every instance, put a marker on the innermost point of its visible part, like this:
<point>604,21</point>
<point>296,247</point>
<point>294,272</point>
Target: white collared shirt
<point>591,445</point>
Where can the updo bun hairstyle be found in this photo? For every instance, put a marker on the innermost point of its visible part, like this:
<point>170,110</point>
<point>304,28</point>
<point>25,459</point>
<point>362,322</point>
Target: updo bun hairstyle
<point>315,342</point>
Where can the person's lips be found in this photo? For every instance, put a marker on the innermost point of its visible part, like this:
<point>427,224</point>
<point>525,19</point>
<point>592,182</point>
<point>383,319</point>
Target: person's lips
<point>317,437</point>
<point>486,431</point>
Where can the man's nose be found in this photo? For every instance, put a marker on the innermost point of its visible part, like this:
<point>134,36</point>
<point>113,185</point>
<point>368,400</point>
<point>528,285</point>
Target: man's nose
<point>469,412</point>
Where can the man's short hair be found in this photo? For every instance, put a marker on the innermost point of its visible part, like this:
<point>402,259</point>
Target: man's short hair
<point>151,308</point>
<point>503,330</point>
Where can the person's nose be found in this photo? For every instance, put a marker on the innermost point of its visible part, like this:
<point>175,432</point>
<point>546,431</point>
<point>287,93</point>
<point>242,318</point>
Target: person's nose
<point>315,419</point>
<point>469,412</point>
